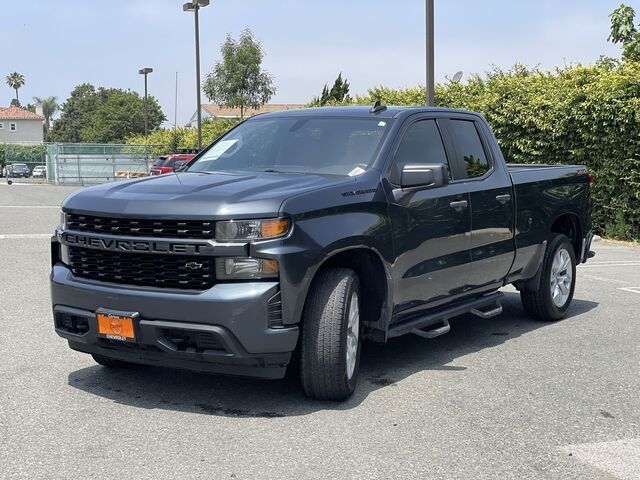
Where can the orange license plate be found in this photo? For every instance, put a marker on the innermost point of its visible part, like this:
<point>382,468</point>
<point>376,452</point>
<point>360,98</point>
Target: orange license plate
<point>116,327</point>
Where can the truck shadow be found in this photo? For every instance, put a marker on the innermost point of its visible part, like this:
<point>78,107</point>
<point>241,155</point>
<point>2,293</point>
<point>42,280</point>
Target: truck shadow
<point>383,366</point>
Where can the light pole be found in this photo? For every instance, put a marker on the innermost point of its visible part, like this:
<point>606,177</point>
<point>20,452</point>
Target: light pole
<point>194,6</point>
<point>145,71</point>
<point>430,95</point>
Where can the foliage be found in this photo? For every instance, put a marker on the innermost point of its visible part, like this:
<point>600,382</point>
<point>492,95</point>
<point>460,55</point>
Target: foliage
<point>11,153</point>
<point>623,31</point>
<point>339,93</point>
<point>49,107</point>
<point>167,141</point>
<point>15,80</point>
<point>238,81</point>
<point>580,114</point>
<point>104,115</point>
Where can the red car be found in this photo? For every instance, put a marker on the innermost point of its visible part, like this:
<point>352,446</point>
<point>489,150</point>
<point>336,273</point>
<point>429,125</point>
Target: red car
<point>169,163</point>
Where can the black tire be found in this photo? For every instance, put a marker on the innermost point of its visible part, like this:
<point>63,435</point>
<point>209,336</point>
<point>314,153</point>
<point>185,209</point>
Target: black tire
<point>323,350</point>
<point>110,362</point>
<point>540,304</point>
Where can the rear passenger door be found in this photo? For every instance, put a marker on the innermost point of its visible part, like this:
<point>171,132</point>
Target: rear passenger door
<point>492,203</point>
<point>431,226</point>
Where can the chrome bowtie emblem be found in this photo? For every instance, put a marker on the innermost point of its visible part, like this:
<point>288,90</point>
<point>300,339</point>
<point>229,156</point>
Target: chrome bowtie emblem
<point>193,265</point>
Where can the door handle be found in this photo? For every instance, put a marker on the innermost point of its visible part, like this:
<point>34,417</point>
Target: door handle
<point>503,198</point>
<point>459,206</point>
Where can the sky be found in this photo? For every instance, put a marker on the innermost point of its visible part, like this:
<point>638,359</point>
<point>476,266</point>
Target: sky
<point>59,44</point>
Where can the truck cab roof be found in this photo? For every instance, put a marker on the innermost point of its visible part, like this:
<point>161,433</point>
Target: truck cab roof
<point>361,111</point>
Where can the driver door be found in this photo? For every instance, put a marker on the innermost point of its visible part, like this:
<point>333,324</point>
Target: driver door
<point>431,226</point>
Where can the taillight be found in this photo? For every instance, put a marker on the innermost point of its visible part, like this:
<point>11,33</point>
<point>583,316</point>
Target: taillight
<point>592,178</point>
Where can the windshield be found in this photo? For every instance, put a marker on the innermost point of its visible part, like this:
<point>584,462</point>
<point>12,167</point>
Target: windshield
<point>19,166</point>
<point>321,145</point>
<point>158,162</point>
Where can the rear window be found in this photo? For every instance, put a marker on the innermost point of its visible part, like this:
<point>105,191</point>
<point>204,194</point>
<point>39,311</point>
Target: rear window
<point>469,148</point>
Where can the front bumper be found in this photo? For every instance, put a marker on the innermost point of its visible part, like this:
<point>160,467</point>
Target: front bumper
<point>226,327</point>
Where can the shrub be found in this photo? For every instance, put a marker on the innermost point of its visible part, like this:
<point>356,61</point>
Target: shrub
<point>170,140</point>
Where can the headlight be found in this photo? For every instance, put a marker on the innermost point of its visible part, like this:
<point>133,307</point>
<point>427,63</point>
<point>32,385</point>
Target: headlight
<point>245,268</point>
<point>250,230</point>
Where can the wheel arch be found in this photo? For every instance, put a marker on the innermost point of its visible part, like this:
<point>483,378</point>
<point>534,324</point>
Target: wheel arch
<point>569,225</point>
<point>375,285</point>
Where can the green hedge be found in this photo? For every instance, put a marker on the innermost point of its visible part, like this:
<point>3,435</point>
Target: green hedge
<point>581,114</point>
<point>10,153</point>
<point>167,141</point>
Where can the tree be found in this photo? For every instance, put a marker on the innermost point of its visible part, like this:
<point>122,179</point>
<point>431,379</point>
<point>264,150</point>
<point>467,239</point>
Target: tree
<point>15,80</point>
<point>238,81</point>
<point>339,93</point>
<point>623,31</point>
<point>104,115</point>
<point>49,108</point>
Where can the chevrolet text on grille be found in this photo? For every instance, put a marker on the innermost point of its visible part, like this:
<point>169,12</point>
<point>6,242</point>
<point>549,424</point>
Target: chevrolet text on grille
<point>113,244</point>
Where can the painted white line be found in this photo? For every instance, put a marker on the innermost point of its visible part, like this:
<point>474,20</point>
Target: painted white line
<point>607,262</point>
<point>602,279</point>
<point>10,236</point>
<point>630,289</point>
<point>630,264</point>
<point>30,206</point>
<point>620,458</point>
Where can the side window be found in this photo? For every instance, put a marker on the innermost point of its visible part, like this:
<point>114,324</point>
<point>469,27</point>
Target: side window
<point>421,143</point>
<point>469,148</point>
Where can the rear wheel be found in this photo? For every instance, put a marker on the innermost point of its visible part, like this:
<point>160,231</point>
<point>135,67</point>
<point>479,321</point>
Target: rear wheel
<point>331,336</point>
<point>557,282</point>
<point>110,362</point>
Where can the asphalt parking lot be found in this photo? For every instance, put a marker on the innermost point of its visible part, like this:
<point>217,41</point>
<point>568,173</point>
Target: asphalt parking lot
<point>501,398</point>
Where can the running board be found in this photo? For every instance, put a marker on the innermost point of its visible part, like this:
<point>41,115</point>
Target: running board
<point>436,332</point>
<point>417,324</point>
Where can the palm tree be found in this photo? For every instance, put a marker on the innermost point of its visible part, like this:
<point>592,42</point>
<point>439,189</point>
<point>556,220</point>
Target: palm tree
<point>49,108</point>
<point>15,80</point>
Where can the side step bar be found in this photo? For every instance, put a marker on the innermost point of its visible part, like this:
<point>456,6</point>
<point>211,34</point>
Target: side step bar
<point>417,324</point>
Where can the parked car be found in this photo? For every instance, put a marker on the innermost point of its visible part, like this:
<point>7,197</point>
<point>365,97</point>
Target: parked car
<point>169,163</point>
<point>306,232</point>
<point>39,171</point>
<point>18,170</point>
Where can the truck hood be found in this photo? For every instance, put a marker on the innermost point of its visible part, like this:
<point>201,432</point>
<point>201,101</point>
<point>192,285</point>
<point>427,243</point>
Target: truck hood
<point>198,195</point>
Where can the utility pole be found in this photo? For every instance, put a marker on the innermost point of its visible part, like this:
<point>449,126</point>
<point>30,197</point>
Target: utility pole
<point>430,85</point>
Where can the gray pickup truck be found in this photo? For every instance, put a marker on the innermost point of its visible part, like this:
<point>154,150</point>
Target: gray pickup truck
<point>299,234</point>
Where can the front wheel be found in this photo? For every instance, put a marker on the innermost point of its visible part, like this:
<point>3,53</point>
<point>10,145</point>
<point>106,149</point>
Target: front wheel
<point>557,282</point>
<point>331,336</point>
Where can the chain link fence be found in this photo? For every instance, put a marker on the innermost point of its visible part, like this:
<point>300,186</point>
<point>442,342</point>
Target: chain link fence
<point>74,163</point>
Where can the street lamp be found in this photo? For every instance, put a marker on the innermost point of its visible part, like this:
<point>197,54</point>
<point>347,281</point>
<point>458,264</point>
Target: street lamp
<point>145,71</point>
<point>430,95</point>
<point>194,6</point>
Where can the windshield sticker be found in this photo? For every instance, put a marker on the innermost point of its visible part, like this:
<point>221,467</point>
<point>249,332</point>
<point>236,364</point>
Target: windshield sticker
<point>382,124</point>
<point>219,148</point>
<point>356,171</point>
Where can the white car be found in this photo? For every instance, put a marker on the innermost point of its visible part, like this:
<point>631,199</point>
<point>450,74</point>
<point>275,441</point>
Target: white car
<point>40,171</point>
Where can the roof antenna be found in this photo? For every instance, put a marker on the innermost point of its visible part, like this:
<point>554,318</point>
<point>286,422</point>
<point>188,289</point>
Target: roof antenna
<point>378,107</point>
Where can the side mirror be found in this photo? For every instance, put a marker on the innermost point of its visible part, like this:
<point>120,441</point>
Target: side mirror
<point>424,175</point>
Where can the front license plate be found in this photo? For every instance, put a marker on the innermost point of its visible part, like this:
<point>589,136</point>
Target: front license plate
<point>116,327</point>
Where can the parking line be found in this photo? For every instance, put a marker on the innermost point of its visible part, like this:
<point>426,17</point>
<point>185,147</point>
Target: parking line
<point>629,264</point>
<point>30,206</point>
<point>630,289</point>
<point>602,279</point>
<point>10,236</point>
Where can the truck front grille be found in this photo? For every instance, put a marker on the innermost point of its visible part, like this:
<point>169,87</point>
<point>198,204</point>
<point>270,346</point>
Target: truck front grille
<point>162,271</point>
<point>141,228</point>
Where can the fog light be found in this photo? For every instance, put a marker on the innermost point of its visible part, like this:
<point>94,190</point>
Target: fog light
<point>244,268</point>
